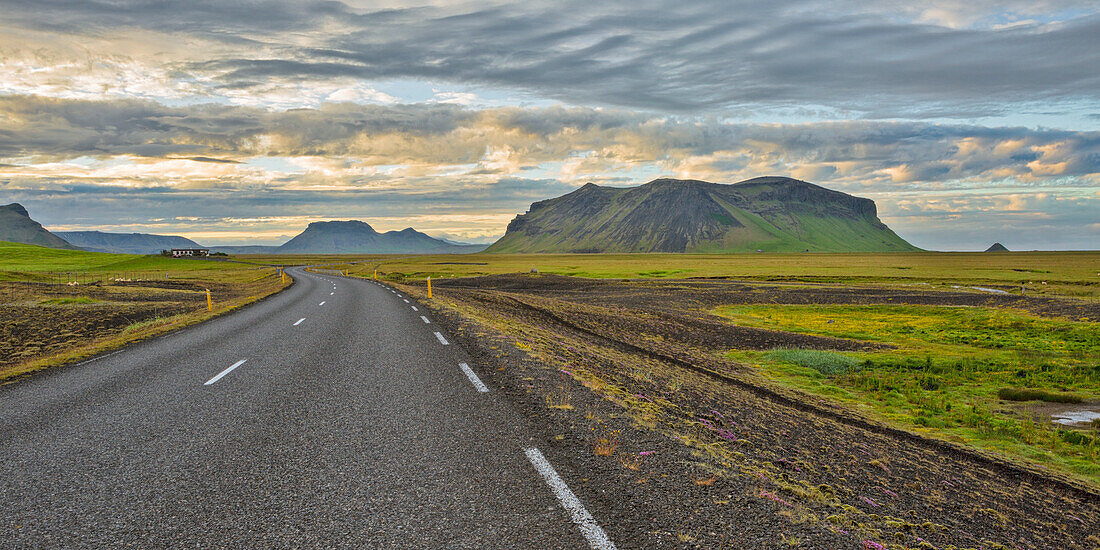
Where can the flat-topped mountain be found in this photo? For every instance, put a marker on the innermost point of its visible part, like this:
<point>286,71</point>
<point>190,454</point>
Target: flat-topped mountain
<point>126,243</point>
<point>17,226</point>
<point>356,237</point>
<point>772,214</point>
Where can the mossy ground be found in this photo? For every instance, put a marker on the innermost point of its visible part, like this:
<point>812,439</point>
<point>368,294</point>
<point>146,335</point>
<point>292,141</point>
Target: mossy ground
<point>946,373</point>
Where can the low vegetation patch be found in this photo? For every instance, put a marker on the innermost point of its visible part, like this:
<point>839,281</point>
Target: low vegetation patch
<point>1030,394</point>
<point>968,374</point>
<point>68,301</point>
<point>829,363</point>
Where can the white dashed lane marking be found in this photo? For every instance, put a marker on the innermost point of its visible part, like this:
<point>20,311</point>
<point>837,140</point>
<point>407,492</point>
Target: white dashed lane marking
<point>299,321</point>
<point>225,372</point>
<point>442,340</point>
<point>591,530</point>
<point>473,377</point>
<point>425,319</point>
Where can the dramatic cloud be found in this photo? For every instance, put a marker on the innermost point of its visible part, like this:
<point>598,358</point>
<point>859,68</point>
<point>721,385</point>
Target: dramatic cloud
<point>224,120</point>
<point>911,59</point>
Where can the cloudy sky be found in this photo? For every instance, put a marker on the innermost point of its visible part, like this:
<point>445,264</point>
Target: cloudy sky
<point>967,121</point>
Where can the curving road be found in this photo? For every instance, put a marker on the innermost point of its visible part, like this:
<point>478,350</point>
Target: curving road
<point>335,413</point>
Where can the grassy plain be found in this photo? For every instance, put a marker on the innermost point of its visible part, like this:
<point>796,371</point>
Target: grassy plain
<point>57,306</point>
<point>956,372</point>
<point>1074,274</point>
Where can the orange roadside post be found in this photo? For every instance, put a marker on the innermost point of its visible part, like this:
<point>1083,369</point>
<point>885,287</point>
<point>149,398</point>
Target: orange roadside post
<point>429,287</point>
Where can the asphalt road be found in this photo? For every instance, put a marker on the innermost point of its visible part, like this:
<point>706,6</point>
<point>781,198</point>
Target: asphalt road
<point>349,423</point>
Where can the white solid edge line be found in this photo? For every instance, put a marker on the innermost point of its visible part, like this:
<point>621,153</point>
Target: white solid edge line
<point>225,372</point>
<point>321,304</point>
<point>299,321</point>
<point>425,319</point>
<point>414,308</point>
<point>473,377</point>
<point>442,340</point>
<point>591,530</point>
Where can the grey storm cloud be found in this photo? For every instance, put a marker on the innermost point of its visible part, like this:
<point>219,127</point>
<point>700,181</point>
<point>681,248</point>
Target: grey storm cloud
<point>662,55</point>
<point>435,134</point>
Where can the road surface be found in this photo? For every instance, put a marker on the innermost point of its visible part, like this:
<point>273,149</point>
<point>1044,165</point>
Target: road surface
<point>335,413</point>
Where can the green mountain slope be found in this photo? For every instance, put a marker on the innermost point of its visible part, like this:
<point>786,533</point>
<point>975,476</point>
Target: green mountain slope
<point>771,214</point>
<point>356,237</point>
<point>17,226</point>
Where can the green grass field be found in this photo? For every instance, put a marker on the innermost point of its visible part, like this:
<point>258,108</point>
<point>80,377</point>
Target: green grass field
<point>23,262</point>
<point>974,374</point>
<point>1074,274</point>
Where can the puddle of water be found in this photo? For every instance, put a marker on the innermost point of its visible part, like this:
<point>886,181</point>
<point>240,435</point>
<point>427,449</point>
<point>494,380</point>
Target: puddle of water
<point>1070,418</point>
<point>993,290</point>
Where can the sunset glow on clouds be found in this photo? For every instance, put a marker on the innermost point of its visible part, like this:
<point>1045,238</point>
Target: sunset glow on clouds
<point>967,123</point>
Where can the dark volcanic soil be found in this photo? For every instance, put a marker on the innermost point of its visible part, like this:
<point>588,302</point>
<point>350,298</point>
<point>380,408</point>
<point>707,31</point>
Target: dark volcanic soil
<point>32,327</point>
<point>731,462</point>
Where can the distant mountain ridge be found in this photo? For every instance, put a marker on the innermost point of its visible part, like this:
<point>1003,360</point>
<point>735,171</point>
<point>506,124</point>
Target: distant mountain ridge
<point>356,237</point>
<point>771,214</point>
<point>126,243</point>
<point>17,226</point>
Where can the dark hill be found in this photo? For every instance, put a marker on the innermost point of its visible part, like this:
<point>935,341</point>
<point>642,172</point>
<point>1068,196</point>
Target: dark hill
<point>126,243</point>
<point>356,237</point>
<point>773,214</point>
<point>997,247</point>
<point>17,226</point>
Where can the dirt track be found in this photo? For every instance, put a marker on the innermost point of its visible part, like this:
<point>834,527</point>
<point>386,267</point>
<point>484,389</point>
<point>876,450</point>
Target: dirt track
<point>792,469</point>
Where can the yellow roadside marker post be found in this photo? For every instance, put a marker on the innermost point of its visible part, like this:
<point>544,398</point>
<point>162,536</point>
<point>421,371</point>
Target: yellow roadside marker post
<point>429,287</point>
<point>376,273</point>
<point>209,301</point>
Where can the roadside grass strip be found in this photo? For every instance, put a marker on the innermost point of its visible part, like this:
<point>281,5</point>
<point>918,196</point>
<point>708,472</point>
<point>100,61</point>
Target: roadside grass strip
<point>591,530</point>
<point>225,372</point>
<point>473,378</point>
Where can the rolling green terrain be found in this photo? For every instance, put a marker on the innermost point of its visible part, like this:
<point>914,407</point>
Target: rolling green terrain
<point>25,262</point>
<point>762,214</point>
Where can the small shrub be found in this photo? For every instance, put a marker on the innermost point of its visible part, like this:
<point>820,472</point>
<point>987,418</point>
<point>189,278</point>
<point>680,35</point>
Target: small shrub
<point>829,363</point>
<point>1025,394</point>
<point>605,447</point>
